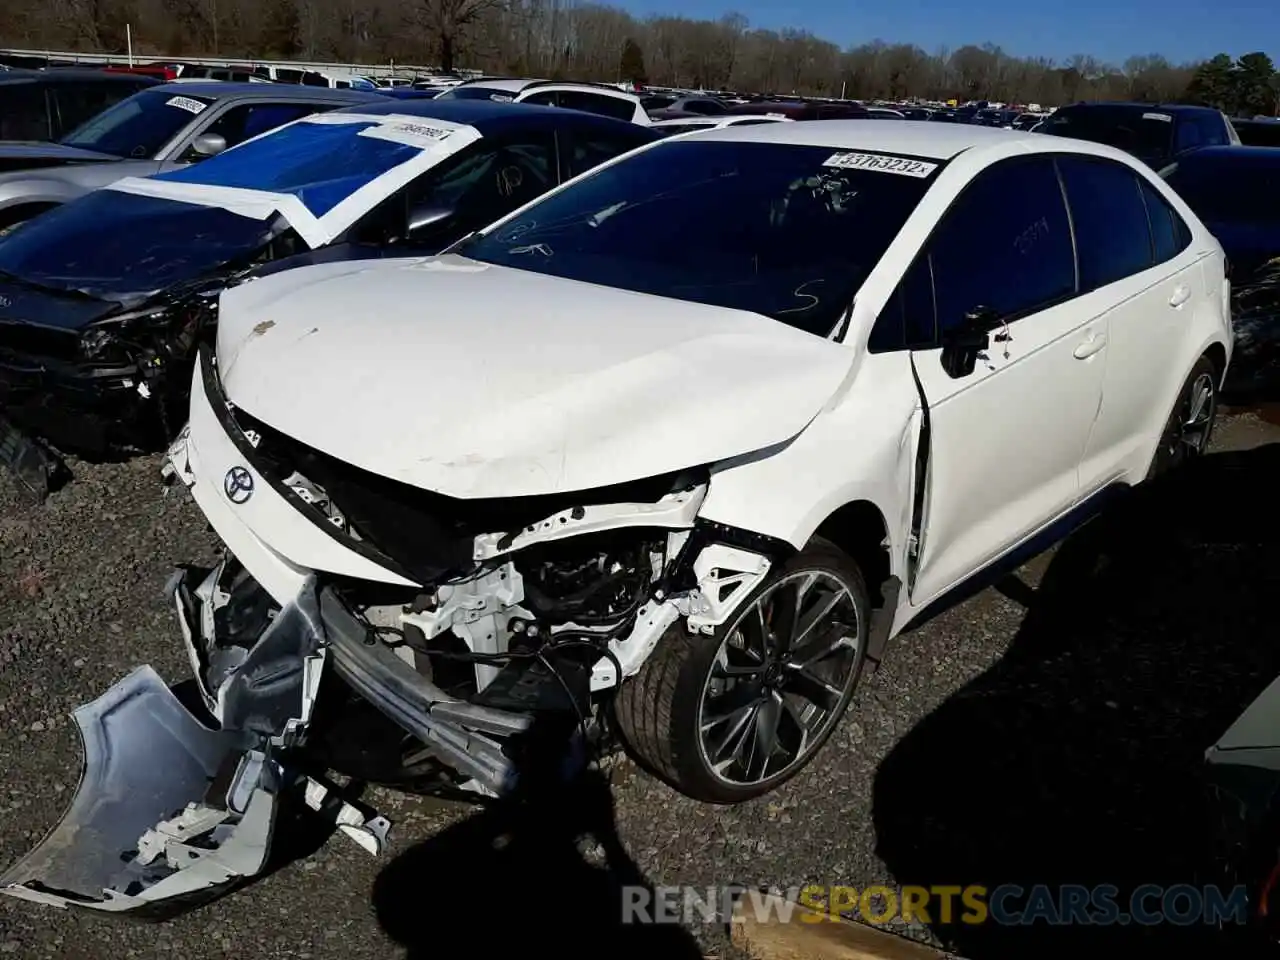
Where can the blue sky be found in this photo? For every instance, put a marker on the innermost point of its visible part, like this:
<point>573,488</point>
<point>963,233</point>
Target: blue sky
<point>1108,29</point>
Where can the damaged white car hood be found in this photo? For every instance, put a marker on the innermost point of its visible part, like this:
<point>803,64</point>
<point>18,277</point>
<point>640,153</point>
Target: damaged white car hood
<point>482,381</point>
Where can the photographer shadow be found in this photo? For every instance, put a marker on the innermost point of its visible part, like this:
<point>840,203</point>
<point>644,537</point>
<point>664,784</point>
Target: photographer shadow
<point>541,871</point>
<point>1079,757</point>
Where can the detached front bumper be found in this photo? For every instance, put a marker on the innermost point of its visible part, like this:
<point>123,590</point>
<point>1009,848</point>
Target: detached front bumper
<point>170,812</point>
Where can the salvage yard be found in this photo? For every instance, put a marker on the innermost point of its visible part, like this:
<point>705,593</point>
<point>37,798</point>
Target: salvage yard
<point>995,745</point>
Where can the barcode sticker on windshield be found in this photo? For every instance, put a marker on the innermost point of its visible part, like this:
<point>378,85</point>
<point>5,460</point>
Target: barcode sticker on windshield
<point>1158,116</point>
<point>902,166</point>
<point>410,134</point>
<point>186,103</point>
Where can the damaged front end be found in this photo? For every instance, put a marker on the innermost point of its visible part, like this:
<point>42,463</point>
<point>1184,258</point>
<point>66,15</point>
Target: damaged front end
<point>172,811</point>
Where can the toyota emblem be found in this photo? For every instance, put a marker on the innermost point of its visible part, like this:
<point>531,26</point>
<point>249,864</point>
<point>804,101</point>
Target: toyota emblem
<point>238,485</point>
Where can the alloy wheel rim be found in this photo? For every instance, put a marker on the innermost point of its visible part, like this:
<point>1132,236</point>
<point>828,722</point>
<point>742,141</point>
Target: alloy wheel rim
<point>1197,418</point>
<point>779,678</point>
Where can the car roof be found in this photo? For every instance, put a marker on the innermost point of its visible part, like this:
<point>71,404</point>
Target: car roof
<point>62,75</point>
<point>510,84</point>
<point>915,138</point>
<point>1259,156</point>
<point>494,119</point>
<point>220,89</point>
<point>1138,105</point>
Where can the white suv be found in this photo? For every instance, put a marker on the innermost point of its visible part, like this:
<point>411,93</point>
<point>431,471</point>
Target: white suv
<point>676,448</point>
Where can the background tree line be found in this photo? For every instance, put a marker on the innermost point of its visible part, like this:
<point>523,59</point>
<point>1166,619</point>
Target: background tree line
<point>594,41</point>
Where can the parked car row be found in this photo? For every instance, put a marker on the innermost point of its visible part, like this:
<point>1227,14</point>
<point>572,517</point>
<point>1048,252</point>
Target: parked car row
<point>525,428</point>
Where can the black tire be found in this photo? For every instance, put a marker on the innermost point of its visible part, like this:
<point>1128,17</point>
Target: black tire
<point>659,711</point>
<point>1176,446</point>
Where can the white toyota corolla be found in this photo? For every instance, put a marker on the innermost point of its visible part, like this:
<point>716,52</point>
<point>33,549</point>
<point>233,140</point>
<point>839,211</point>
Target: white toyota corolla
<point>674,450</point>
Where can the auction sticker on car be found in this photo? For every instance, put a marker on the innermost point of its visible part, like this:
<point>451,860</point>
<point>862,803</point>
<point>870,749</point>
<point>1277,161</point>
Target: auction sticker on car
<point>902,166</point>
<point>1157,116</point>
<point>186,103</point>
<point>409,133</point>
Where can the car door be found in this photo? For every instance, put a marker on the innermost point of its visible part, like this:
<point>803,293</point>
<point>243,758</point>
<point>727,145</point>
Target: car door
<point>1136,262</point>
<point>1005,439</point>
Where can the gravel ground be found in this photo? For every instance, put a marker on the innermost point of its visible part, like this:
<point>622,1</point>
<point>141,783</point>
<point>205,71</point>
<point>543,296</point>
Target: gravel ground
<point>995,744</point>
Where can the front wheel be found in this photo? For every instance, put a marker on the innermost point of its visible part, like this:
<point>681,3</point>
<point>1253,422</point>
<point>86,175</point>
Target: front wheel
<point>730,716</point>
<point>1189,429</point>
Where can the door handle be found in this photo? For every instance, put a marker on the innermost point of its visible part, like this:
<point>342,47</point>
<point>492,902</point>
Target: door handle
<point>1180,296</point>
<point>1089,347</point>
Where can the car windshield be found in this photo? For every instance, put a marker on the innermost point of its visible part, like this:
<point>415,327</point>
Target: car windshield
<point>139,126</point>
<point>116,245</point>
<point>320,162</point>
<point>782,230</point>
<point>1147,134</point>
<point>476,93</point>
<point>1223,193</point>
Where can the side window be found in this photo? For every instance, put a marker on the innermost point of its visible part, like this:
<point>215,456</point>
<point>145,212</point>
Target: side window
<point>1113,237</point>
<point>468,191</point>
<point>704,107</point>
<point>24,112</point>
<point>546,98</point>
<point>244,123</point>
<point>598,103</point>
<point>1170,234</point>
<point>1188,135</point>
<point>908,319</point>
<point>587,150</point>
<point>1004,245</point>
<point>1213,132</point>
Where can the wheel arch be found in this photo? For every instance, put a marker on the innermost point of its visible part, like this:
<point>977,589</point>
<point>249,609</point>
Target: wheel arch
<point>25,210</point>
<point>860,530</point>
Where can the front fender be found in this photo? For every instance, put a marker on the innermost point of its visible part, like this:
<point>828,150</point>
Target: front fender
<point>862,449</point>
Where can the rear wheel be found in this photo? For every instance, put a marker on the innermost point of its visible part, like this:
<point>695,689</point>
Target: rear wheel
<point>730,716</point>
<point>1189,429</point>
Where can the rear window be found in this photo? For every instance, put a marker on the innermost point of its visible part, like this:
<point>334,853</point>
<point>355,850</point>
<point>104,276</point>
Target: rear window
<point>783,230</point>
<point>1147,134</point>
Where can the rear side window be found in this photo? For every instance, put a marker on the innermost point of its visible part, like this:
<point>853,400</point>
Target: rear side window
<point>1113,237</point>
<point>24,113</point>
<point>1005,245</point>
<point>597,103</point>
<point>1170,234</point>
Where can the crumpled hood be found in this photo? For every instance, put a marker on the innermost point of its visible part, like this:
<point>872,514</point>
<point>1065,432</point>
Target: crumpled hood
<point>482,381</point>
<point>19,155</point>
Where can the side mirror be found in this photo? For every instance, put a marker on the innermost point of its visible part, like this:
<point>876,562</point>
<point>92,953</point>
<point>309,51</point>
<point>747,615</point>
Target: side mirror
<point>962,344</point>
<point>208,145</point>
<point>426,215</point>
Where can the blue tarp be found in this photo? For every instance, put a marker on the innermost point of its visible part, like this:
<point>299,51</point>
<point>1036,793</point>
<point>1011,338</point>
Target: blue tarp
<point>319,163</point>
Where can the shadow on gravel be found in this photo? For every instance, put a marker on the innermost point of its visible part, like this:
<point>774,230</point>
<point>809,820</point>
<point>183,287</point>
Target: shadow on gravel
<point>1078,759</point>
<point>513,881</point>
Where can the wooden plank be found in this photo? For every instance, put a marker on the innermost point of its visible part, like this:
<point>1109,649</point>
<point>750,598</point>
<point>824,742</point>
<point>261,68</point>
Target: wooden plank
<point>819,938</point>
